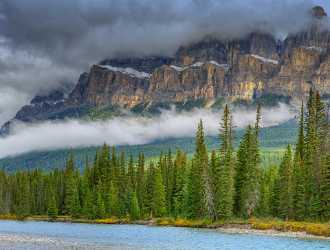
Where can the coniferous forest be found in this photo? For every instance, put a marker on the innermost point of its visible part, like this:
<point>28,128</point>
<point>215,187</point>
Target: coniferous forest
<point>218,185</point>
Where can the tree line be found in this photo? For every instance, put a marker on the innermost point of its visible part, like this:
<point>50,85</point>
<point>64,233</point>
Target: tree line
<point>216,185</point>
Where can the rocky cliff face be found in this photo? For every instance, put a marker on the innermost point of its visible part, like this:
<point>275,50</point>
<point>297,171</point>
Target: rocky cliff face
<point>247,68</point>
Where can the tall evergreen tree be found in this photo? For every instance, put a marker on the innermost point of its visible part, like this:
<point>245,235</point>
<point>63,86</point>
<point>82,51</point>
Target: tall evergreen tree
<point>179,183</point>
<point>325,189</point>
<point>100,209</point>
<point>52,207</point>
<point>134,209</point>
<point>247,171</point>
<point>224,193</point>
<point>158,199</point>
<point>196,193</point>
<point>285,208</point>
<point>71,196</point>
<point>140,182</point>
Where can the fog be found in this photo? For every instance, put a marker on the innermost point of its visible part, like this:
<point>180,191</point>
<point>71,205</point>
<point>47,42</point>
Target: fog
<point>129,130</point>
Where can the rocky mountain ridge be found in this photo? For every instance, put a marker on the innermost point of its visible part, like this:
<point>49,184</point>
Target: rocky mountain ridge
<point>243,69</point>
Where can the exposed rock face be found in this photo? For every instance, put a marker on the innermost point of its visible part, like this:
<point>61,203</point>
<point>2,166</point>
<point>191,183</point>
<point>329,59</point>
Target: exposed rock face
<point>246,68</point>
<point>178,84</point>
<point>108,86</point>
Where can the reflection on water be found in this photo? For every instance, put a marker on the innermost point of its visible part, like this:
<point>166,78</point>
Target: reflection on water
<point>54,236</point>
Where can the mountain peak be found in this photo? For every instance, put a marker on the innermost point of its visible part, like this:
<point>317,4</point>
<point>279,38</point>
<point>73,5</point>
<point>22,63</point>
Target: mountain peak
<point>318,12</point>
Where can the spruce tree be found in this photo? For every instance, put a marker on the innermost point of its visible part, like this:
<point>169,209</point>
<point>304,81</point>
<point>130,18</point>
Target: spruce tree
<point>23,207</point>
<point>70,202</point>
<point>140,182</point>
<point>224,193</point>
<point>285,208</point>
<point>52,207</point>
<point>131,173</point>
<point>100,211</point>
<point>325,189</point>
<point>88,208</point>
<point>114,200</point>
<point>179,183</point>
<point>198,197</point>
<point>149,190</point>
<point>158,199</point>
<point>134,209</point>
<point>247,172</point>
<point>298,178</point>
<point>298,196</point>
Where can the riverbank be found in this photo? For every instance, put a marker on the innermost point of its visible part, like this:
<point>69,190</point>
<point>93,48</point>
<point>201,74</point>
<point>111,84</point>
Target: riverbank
<point>271,227</point>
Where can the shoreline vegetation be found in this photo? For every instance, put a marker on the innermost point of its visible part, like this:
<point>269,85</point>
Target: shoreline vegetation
<point>225,189</point>
<point>272,227</point>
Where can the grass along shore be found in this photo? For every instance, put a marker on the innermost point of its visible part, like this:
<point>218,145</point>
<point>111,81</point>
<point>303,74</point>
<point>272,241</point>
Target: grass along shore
<point>269,226</point>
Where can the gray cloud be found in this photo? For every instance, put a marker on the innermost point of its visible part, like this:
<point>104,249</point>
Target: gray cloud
<point>78,31</point>
<point>127,130</point>
<point>46,43</point>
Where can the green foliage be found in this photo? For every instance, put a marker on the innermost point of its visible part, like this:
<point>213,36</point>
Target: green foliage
<point>325,188</point>
<point>204,186</point>
<point>158,196</point>
<point>195,201</point>
<point>285,208</point>
<point>52,209</point>
<point>247,174</point>
<point>134,209</point>
<point>224,178</point>
<point>102,113</point>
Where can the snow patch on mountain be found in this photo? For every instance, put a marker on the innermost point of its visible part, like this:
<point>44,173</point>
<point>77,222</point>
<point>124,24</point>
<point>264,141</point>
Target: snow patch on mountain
<point>264,59</point>
<point>198,64</point>
<point>129,71</point>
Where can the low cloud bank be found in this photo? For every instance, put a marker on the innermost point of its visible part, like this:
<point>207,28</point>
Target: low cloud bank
<point>130,130</point>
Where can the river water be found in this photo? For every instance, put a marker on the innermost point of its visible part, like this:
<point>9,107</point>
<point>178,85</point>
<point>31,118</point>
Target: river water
<point>53,236</point>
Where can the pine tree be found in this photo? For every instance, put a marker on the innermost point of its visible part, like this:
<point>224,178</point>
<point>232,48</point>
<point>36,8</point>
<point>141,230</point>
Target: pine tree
<point>241,173</point>
<point>266,188</point>
<point>246,179</point>
<point>70,202</point>
<point>52,207</point>
<point>103,166</point>
<point>198,198</point>
<point>158,199</point>
<point>301,135</point>
<point>134,210</point>
<point>122,186</point>
<point>88,209</point>
<point>149,190</point>
<point>23,207</point>
<point>325,189</point>
<point>114,200</point>
<point>285,186</point>
<point>316,127</point>
<point>251,188</point>
<point>100,206</point>
<point>298,178</point>
<point>299,200</point>
<point>179,183</point>
<point>224,193</point>
<point>168,179</point>
<point>131,173</point>
<point>140,182</point>
<point>275,197</point>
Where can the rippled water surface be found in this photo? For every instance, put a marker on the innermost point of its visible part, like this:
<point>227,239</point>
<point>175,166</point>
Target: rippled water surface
<point>45,235</point>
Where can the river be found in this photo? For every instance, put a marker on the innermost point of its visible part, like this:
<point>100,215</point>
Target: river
<point>54,236</point>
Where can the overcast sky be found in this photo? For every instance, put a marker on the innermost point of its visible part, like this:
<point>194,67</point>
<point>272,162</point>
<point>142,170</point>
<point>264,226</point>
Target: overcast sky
<point>45,44</point>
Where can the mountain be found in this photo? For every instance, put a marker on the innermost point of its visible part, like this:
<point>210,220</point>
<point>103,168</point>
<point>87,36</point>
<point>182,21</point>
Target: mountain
<point>204,73</point>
